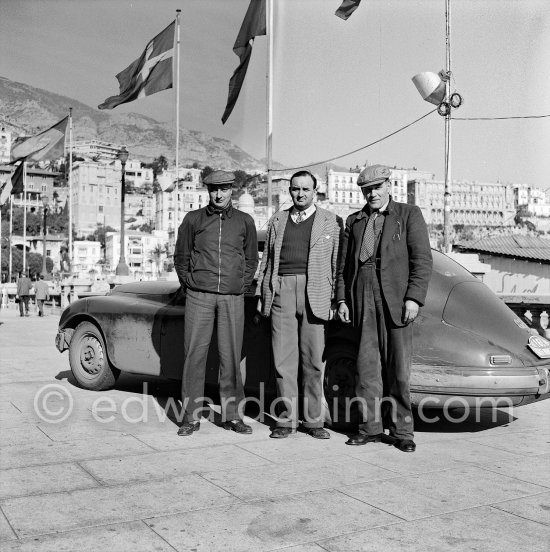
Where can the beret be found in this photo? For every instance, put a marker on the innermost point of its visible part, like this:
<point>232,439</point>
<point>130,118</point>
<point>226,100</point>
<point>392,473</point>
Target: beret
<point>375,174</point>
<point>219,178</point>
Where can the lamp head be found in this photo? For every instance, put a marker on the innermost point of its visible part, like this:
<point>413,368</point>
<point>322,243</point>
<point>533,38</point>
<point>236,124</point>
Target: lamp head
<point>45,201</point>
<point>431,86</point>
<point>123,155</point>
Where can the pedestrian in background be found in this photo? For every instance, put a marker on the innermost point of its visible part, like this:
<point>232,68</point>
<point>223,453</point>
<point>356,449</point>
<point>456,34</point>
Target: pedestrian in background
<point>296,288</point>
<point>216,257</point>
<point>383,278</point>
<point>24,286</point>
<point>41,294</point>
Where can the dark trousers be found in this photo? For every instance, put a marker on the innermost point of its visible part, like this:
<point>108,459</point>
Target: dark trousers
<point>23,300</point>
<point>40,304</point>
<point>298,337</point>
<point>202,310</point>
<point>383,362</point>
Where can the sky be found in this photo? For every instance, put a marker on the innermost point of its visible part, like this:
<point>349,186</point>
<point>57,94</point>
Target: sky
<point>338,85</point>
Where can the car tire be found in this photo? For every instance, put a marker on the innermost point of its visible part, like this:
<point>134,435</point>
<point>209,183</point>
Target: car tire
<point>88,359</point>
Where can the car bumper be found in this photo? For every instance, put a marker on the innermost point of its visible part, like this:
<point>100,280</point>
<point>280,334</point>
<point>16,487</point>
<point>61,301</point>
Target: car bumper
<point>63,339</point>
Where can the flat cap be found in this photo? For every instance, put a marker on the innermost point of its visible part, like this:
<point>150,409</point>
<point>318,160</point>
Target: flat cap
<point>219,178</point>
<point>375,174</point>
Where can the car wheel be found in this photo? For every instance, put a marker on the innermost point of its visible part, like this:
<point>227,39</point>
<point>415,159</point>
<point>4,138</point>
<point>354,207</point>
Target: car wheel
<point>88,359</point>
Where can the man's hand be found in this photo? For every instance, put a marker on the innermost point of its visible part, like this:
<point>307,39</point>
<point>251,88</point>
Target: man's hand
<point>259,306</point>
<point>343,313</point>
<point>410,311</point>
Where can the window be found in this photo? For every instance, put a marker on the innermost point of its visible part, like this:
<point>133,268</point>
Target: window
<point>101,208</point>
<point>190,206</point>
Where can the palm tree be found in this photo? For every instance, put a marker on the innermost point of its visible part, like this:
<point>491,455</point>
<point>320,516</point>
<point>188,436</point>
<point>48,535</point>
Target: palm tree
<point>156,256</point>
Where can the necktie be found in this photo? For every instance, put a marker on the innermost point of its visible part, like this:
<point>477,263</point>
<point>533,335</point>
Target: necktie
<point>369,238</point>
<point>299,217</point>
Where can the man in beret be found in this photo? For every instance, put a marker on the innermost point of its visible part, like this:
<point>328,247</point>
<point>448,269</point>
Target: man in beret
<point>383,279</point>
<point>296,288</point>
<point>216,257</point>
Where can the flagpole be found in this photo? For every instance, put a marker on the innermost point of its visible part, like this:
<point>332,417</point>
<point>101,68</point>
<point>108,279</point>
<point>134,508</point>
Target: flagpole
<point>176,214</point>
<point>9,241</point>
<point>269,92</point>
<point>448,184</point>
<point>71,188</point>
<point>24,216</point>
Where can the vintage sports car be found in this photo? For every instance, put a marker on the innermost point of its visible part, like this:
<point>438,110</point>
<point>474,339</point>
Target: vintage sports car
<point>469,346</point>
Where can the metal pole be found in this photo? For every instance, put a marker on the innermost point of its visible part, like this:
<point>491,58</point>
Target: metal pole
<point>10,238</point>
<point>71,189</point>
<point>269,91</point>
<point>177,210</point>
<point>447,197</point>
<point>122,268</point>
<point>44,269</point>
<point>24,216</point>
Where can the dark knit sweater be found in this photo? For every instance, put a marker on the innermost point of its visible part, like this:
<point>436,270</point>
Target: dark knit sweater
<point>295,247</point>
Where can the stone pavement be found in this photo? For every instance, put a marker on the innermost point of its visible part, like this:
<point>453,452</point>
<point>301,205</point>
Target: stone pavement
<point>114,475</point>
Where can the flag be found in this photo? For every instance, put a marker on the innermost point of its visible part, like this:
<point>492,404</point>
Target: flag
<point>347,8</point>
<point>14,185</point>
<point>150,73</point>
<point>253,26</point>
<point>36,147</point>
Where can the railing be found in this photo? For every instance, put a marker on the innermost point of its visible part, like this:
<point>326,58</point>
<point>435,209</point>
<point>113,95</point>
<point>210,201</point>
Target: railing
<point>531,308</point>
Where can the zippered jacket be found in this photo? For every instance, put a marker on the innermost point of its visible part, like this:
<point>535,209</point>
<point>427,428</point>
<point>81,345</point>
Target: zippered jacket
<point>217,252</point>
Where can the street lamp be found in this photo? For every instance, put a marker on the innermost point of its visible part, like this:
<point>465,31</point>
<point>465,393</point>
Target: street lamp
<point>45,202</point>
<point>122,268</point>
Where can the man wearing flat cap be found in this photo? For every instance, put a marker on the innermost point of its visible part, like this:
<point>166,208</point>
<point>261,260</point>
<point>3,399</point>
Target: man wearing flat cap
<point>383,279</point>
<point>216,257</point>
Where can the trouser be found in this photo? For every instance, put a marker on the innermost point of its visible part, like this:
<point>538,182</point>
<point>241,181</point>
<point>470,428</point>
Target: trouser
<point>201,311</point>
<point>383,362</point>
<point>40,304</point>
<point>23,300</point>
<point>298,337</point>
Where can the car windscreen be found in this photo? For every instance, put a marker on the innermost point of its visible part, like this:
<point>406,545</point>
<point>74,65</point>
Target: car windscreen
<point>474,307</point>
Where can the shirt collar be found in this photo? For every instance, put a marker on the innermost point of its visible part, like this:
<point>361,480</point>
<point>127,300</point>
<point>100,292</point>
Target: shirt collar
<point>306,214</point>
<point>384,210</point>
<point>228,211</point>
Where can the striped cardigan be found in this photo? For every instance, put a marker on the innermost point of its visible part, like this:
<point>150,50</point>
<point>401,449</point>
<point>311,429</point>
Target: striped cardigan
<point>322,261</point>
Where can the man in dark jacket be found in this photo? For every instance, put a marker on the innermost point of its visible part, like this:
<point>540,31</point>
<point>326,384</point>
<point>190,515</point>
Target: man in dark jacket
<point>382,282</point>
<point>24,286</point>
<point>216,257</point>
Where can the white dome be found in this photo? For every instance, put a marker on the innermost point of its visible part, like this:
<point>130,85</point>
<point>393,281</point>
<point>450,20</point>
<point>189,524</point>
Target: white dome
<point>246,203</point>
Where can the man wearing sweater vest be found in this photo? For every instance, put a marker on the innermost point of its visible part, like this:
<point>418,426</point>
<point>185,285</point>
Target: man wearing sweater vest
<point>296,288</point>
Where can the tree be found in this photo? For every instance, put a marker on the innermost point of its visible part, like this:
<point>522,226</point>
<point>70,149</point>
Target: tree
<point>241,178</point>
<point>157,255</point>
<point>206,171</point>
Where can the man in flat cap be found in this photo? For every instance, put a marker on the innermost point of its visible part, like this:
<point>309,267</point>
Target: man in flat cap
<point>383,279</point>
<point>216,257</point>
<point>296,288</point>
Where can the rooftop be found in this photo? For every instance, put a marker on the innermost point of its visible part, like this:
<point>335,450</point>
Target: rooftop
<point>518,246</point>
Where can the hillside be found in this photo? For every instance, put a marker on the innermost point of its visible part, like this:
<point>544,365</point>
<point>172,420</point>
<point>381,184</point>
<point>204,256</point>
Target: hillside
<point>26,109</point>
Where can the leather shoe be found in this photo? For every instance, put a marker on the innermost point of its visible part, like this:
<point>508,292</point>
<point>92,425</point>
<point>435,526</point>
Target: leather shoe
<point>318,433</point>
<point>362,439</point>
<point>405,445</point>
<point>282,432</point>
<point>238,426</point>
<point>188,428</point>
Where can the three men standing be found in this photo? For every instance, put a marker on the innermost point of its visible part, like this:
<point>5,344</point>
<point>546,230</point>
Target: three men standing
<point>296,287</point>
<point>216,257</point>
<point>383,278</point>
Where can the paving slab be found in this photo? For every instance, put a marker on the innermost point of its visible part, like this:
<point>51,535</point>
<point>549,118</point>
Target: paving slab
<point>297,477</point>
<point>533,469</point>
<point>35,454</point>
<point>524,443</point>
<point>535,508</point>
<point>123,537</point>
<point>44,479</point>
<point>269,524</point>
<point>49,513</point>
<point>161,465</point>
<point>6,532</point>
<point>478,529</point>
<point>417,496</point>
<point>21,436</point>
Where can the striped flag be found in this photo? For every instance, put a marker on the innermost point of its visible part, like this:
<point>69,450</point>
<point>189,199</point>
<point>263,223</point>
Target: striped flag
<point>152,72</point>
<point>347,8</point>
<point>35,148</point>
<point>14,185</point>
<point>253,25</point>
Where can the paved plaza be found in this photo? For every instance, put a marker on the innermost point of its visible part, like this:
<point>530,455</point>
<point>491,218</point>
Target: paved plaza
<point>88,471</point>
